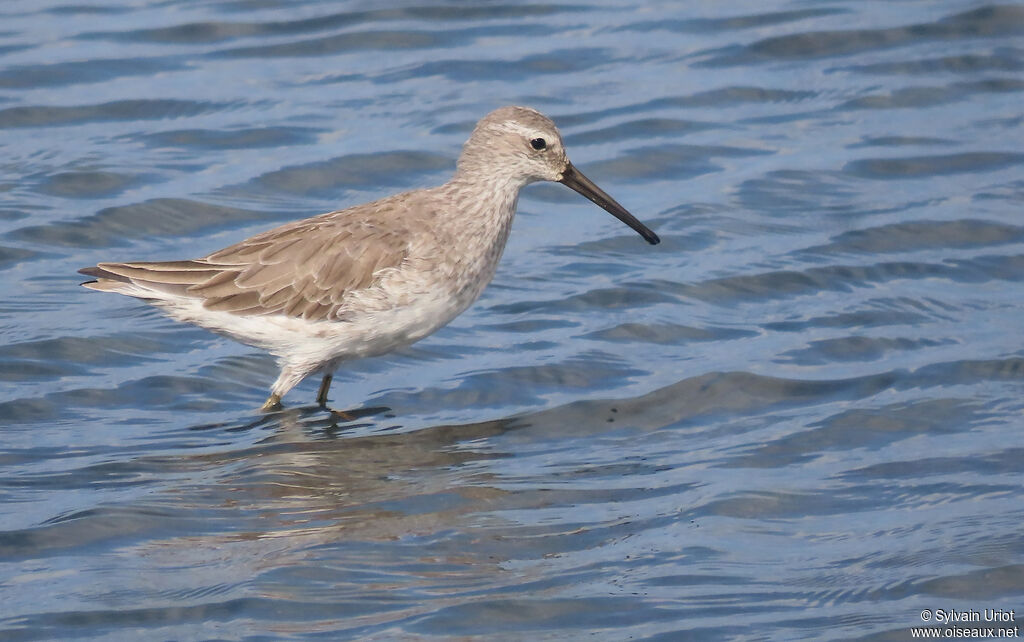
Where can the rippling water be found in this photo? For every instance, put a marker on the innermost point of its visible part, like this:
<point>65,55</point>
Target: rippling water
<point>798,418</point>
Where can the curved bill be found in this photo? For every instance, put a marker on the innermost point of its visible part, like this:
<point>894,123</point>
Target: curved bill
<point>572,177</point>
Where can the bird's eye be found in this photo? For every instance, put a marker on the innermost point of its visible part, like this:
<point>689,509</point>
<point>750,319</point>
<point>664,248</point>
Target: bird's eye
<point>538,144</point>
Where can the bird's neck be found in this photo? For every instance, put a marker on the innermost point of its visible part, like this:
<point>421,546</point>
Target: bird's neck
<point>474,239</point>
<point>487,203</point>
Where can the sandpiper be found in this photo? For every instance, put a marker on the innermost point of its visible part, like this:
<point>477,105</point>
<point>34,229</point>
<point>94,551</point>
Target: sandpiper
<point>366,280</point>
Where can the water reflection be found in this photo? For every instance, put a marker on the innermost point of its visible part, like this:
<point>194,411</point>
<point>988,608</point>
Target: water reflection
<point>798,419</point>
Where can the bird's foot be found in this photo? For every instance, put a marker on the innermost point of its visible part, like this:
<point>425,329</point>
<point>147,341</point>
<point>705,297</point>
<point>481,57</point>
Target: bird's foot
<point>272,403</point>
<point>342,415</point>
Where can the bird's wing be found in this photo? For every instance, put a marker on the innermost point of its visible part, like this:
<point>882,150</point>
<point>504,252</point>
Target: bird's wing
<point>303,269</point>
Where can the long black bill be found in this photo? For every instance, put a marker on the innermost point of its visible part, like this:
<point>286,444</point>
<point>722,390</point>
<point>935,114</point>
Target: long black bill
<point>573,178</point>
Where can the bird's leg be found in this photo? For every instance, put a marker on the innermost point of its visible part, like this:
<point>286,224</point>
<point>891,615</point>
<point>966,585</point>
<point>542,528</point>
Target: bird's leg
<point>325,385</point>
<point>273,402</point>
<point>290,375</point>
<point>321,398</point>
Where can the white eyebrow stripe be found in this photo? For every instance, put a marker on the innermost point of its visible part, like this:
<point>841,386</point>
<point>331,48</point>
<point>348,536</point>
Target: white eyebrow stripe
<point>519,128</point>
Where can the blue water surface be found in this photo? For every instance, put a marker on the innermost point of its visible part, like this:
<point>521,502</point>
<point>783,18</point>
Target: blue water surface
<point>798,418</point>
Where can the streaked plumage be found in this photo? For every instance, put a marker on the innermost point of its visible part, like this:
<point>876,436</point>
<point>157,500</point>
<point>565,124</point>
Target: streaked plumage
<point>371,278</point>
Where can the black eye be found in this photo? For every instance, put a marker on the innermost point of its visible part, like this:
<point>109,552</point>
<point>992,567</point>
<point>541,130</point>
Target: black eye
<point>538,144</point>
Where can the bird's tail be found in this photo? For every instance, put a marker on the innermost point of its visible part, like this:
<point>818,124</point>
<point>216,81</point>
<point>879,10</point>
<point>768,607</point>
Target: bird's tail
<point>164,280</point>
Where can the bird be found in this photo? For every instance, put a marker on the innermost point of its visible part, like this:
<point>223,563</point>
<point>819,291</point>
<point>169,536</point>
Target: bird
<point>372,278</point>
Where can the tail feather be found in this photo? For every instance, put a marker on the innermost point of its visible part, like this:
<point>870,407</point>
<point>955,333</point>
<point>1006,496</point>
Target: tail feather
<point>171,273</point>
<point>99,273</point>
<point>147,280</point>
<point>106,285</point>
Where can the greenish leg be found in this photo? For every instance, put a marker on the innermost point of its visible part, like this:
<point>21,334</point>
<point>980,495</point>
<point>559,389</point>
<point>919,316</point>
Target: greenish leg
<point>325,385</point>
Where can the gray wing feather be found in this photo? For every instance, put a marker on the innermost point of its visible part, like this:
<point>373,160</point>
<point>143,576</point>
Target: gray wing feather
<point>303,269</point>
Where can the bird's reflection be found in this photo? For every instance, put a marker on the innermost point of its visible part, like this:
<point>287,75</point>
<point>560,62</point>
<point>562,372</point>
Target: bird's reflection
<point>356,474</point>
<point>372,501</point>
<point>331,421</point>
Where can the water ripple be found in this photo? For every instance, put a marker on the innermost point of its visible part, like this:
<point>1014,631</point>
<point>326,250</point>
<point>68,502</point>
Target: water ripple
<point>120,110</point>
<point>795,418</point>
<point>985,22</point>
<point>115,225</point>
<point>938,165</point>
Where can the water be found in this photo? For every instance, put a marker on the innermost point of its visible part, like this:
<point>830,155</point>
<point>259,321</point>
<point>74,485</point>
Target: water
<point>799,417</point>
